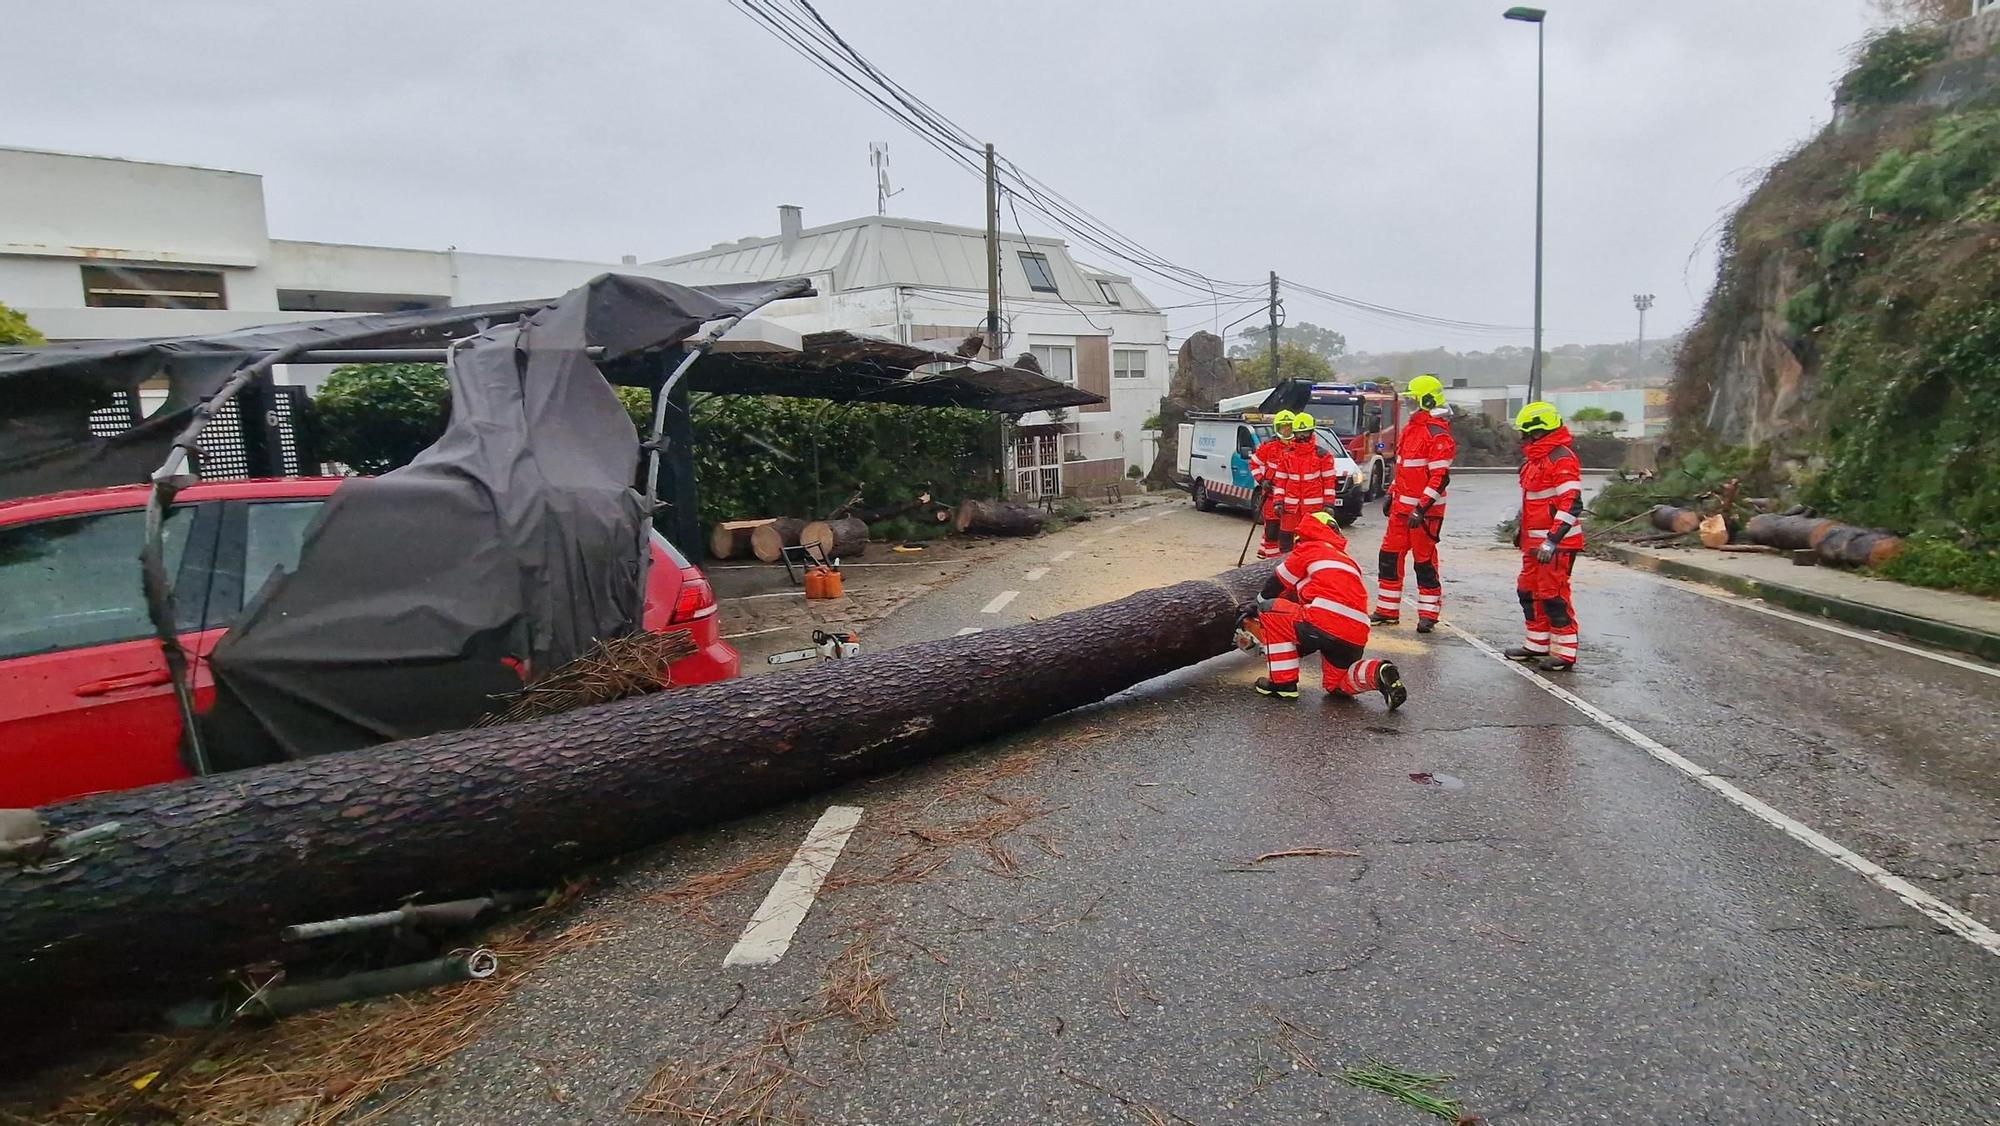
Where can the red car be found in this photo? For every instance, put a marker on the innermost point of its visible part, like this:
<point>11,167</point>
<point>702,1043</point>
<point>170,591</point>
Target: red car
<point>85,702</point>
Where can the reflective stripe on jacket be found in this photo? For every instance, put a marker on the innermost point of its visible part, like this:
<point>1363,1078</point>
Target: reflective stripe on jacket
<point>1551,492</point>
<point>1423,461</point>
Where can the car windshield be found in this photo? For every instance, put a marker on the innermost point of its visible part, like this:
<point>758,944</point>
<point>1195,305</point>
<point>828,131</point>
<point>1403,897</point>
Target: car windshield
<point>1343,419</point>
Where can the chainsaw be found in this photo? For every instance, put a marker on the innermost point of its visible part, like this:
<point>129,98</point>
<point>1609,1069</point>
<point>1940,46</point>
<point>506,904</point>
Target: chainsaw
<point>827,646</point>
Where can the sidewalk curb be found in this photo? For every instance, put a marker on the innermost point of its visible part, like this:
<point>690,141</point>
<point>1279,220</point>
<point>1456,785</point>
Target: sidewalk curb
<point>1945,635</point>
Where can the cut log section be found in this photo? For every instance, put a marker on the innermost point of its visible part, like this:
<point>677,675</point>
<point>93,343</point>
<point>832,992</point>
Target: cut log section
<point>999,518</point>
<point>769,540</point>
<point>731,538</point>
<point>1829,540</point>
<point>1667,518</point>
<point>200,877</point>
<point>836,539</point>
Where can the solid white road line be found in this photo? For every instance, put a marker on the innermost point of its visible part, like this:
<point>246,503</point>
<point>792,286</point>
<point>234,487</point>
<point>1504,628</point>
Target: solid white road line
<point>773,594</point>
<point>777,919</point>
<point>1035,574</point>
<point>1818,624</point>
<point>968,631</point>
<point>1000,602</point>
<point>755,632</point>
<point>1938,911</point>
<point>1060,556</point>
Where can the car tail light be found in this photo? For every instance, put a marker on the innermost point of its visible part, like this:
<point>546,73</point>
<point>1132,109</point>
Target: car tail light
<point>697,598</point>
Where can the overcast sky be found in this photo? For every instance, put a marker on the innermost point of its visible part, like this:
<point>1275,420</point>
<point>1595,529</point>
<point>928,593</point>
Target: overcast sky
<point>1381,149</point>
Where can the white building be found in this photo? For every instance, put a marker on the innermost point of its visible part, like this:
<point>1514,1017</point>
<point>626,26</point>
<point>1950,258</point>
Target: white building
<point>913,281</point>
<point>95,248</point>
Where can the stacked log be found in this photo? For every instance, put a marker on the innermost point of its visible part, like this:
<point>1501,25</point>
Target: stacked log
<point>199,877</point>
<point>1829,540</point>
<point>999,518</point>
<point>1667,518</point>
<point>731,538</point>
<point>770,539</point>
<point>836,539</point>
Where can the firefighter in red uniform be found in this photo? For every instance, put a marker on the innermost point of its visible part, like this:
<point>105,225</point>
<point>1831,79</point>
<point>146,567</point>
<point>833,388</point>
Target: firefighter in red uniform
<point>1307,476</point>
<point>1316,602</point>
<point>1264,471</point>
<point>1551,536</point>
<point>1416,509</point>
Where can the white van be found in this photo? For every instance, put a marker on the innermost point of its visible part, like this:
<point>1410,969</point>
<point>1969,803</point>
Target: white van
<point>1215,462</point>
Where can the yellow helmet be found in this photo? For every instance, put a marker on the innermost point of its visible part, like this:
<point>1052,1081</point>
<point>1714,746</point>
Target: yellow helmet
<point>1302,422</point>
<point>1427,390</point>
<point>1324,517</point>
<point>1283,420</point>
<point>1537,418</point>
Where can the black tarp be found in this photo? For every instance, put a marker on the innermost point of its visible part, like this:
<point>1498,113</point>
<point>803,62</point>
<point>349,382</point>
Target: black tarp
<point>511,544</point>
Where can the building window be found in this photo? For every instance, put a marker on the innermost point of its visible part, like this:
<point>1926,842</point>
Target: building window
<point>148,287</point>
<point>1128,363</point>
<point>1110,293</point>
<point>1058,361</point>
<point>1041,279</point>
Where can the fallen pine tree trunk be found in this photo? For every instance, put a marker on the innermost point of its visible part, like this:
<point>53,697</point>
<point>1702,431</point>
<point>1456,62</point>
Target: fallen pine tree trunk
<point>200,876</point>
<point>1830,540</point>
<point>999,518</point>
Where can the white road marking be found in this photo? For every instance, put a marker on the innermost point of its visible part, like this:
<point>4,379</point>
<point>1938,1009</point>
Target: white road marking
<point>968,631</point>
<point>1938,911</point>
<point>774,594</point>
<point>769,933</point>
<point>1060,556</point>
<point>1035,574</point>
<point>1772,611</point>
<point>1000,602</point>
<point>1142,519</point>
<point>756,632</point>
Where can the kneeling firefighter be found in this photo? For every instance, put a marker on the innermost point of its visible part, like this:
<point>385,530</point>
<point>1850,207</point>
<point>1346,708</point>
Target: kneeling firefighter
<point>1551,535</point>
<point>1316,602</point>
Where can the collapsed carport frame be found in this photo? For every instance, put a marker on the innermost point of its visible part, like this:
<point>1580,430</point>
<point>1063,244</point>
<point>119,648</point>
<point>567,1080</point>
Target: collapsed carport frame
<point>621,346</point>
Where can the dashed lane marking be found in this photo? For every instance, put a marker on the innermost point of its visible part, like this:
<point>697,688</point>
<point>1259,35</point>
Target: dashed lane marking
<point>1933,908</point>
<point>968,631</point>
<point>1000,602</point>
<point>1773,612</point>
<point>1060,556</point>
<point>1142,519</point>
<point>1035,574</point>
<point>769,933</point>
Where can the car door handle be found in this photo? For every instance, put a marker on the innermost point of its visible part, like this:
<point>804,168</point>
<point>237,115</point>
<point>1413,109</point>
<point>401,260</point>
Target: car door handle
<point>150,679</point>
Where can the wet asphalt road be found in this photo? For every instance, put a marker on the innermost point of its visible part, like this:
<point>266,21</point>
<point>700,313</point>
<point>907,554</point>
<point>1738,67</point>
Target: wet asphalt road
<point>1072,925</point>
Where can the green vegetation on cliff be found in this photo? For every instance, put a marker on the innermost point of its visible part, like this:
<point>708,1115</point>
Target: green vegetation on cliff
<point>1854,329</point>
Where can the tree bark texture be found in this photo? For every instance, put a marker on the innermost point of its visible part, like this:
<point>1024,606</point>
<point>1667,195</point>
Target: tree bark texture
<point>202,874</point>
<point>731,538</point>
<point>999,518</point>
<point>1831,541</point>
<point>1667,518</point>
<point>770,541</point>
<point>843,538</point>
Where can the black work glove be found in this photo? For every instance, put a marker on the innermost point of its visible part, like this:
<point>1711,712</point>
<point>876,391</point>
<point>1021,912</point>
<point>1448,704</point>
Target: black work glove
<point>1264,604</point>
<point>1415,519</point>
<point>1546,553</point>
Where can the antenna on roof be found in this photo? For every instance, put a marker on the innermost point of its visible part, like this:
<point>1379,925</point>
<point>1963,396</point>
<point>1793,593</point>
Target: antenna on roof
<point>878,158</point>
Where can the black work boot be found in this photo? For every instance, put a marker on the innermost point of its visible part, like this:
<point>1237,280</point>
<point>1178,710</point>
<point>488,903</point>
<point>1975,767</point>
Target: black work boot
<point>1426,625</point>
<point>1523,653</point>
<point>1556,664</point>
<point>1381,619</point>
<point>1288,691</point>
<point>1389,682</point>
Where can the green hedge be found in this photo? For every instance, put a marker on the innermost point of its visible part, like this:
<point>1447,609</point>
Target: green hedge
<point>754,455</point>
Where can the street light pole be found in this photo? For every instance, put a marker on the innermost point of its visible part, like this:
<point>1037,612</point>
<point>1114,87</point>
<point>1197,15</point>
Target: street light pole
<point>1641,302</point>
<point>1537,17</point>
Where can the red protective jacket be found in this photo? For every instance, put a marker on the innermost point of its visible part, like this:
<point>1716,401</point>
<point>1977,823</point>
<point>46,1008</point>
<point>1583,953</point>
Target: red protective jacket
<point>1320,577</point>
<point>1423,462</point>
<point>1264,470</point>
<point>1551,492</point>
<point>1307,481</point>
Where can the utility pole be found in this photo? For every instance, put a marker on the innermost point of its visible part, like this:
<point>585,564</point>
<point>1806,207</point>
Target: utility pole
<point>1274,328</point>
<point>993,347</point>
<point>1641,302</point>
